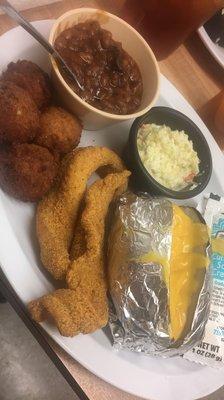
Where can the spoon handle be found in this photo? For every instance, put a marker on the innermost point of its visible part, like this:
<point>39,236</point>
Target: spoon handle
<point>14,14</point>
<point>11,12</point>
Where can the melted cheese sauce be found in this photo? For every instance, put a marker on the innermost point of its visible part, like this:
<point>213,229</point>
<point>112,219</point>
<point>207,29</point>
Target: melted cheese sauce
<point>187,270</point>
<point>184,273</point>
<point>155,258</point>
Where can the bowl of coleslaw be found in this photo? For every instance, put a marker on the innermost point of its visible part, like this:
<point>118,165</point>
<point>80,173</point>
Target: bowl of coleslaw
<point>168,154</point>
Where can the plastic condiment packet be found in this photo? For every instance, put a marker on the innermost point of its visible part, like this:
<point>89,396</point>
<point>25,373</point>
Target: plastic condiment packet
<point>211,350</point>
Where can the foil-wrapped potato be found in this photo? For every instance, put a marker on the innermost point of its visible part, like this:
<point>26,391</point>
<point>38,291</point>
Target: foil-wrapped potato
<point>158,275</point>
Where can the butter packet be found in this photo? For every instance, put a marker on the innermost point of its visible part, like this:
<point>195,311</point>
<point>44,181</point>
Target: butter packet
<point>211,350</point>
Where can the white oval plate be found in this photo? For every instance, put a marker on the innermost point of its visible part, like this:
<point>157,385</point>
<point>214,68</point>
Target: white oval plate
<point>156,379</point>
<point>216,51</point>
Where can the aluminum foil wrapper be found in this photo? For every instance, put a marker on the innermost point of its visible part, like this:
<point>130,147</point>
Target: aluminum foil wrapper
<point>139,317</point>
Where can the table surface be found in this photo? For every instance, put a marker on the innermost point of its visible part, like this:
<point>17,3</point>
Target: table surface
<point>200,79</point>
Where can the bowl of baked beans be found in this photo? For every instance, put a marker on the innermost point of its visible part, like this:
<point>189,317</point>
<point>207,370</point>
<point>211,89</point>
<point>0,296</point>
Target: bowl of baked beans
<point>116,68</point>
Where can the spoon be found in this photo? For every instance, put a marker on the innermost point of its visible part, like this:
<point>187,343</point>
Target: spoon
<point>11,12</point>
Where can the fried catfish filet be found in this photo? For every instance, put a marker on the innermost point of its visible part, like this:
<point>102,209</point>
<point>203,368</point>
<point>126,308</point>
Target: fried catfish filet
<point>83,306</point>
<point>57,212</point>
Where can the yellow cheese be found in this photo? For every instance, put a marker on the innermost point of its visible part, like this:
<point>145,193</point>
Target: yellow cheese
<point>187,270</point>
<point>184,271</point>
<point>155,258</point>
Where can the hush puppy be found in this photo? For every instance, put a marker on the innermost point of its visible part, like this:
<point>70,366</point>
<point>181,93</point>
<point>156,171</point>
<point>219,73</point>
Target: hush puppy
<point>19,116</point>
<point>30,77</point>
<point>27,171</point>
<point>60,131</point>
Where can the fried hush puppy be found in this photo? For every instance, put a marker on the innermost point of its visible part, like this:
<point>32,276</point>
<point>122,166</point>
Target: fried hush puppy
<point>57,212</point>
<point>27,171</point>
<point>30,77</point>
<point>59,130</point>
<point>83,307</point>
<point>19,116</point>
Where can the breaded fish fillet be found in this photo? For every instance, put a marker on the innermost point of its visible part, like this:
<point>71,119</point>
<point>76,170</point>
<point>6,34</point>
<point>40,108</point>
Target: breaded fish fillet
<point>57,212</point>
<point>83,307</point>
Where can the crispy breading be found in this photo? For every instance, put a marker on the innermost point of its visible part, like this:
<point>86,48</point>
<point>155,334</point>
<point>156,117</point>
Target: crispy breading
<point>59,131</point>
<point>83,307</point>
<point>31,78</point>
<point>97,201</point>
<point>72,311</point>
<point>27,171</point>
<point>19,116</point>
<point>78,247</point>
<point>57,212</point>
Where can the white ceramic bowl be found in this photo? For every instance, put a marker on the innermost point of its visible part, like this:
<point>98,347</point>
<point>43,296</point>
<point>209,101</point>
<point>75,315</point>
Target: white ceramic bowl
<point>132,42</point>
